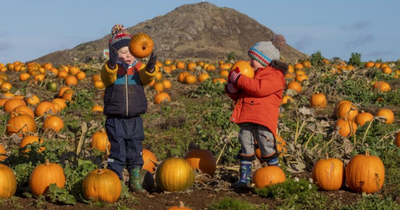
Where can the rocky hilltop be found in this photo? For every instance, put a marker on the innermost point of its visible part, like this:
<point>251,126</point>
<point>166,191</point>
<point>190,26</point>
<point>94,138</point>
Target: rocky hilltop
<point>202,30</point>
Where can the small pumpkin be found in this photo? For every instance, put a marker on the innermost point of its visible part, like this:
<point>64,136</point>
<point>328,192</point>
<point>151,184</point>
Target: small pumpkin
<point>21,124</point>
<point>346,128</point>
<point>44,175</point>
<point>45,107</point>
<point>397,139</point>
<point>159,87</point>
<point>149,160</point>
<point>102,185</point>
<point>190,79</point>
<point>167,84</point>
<point>201,159</point>
<point>318,100</point>
<point>365,173</point>
<point>328,174</point>
<point>174,174</point>
<point>3,153</point>
<point>161,97</point>
<point>363,118</point>
<point>203,77</point>
<point>8,182</point>
<point>22,110</point>
<point>244,67</point>
<point>347,111</point>
<point>296,86</point>
<point>11,104</point>
<point>30,139</point>
<point>53,122</point>
<point>387,114</point>
<point>267,176</point>
<point>100,140</point>
<point>141,45</point>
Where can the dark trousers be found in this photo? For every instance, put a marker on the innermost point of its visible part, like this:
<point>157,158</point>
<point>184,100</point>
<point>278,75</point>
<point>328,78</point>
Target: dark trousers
<point>125,136</point>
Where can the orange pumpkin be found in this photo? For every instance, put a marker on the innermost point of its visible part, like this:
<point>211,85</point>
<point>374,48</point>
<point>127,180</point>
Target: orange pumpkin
<point>32,99</point>
<point>244,67</point>
<point>100,141</point>
<point>11,104</point>
<point>203,77</point>
<point>387,114</point>
<point>141,45</point>
<point>44,175</point>
<point>161,97</point>
<point>365,173</point>
<point>174,174</point>
<point>3,153</point>
<point>201,159</point>
<point>167,84</point>
<point>159,87</point>
<point>397,139</point>
<point>180,207</point>
<point>346,128</point>
<point>102,185</point>
<point>21,124</point>
<point>267,176</point>
<point>190,79</point>
<point>8,182</point>
<point>347,111</point>
<point>149,160</point>
<point>45,107</point>
<point>296,86</point>
<point>328,174</point>
<point>53,122</point>
<point>363,118</point>
<point>318,100</point>
<point>30,139</point>
<point>382,86</point>
<point>22,110</point>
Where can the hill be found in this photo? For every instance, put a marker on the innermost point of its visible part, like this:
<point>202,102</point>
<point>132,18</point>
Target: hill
<point>201,30</point>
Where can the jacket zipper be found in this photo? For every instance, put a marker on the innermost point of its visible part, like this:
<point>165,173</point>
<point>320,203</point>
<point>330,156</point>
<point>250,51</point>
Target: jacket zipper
<point>126,91</point>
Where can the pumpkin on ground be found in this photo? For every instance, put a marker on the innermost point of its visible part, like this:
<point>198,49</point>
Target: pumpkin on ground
<point>268,175</point>
<point>201,159</point>
<point>20,125</point>
<point>149,160</point>
<point>3,153</point>
<point>346,128</point>
<point>318,100</point>
<point>328,174</point>
<point>397,139</point>
<point>8,182</point>
<point>363,118</point>
<point>54,123</point>
<point>174,174</point>
<point>180,207</point>
<point>31,139</point>
<point>100,140</point>
<point>162,97</point>
<point>365,173</point>
<point>44,175</point>
<point>387,114</point>
<point>141,45</point>
<point>102,185</point>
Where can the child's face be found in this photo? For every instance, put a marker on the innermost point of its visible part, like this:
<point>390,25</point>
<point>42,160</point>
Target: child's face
<point>255,64</point>
<point>125,56</point>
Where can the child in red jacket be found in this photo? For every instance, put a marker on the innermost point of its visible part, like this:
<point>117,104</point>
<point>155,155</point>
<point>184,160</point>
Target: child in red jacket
<point>257,104</point>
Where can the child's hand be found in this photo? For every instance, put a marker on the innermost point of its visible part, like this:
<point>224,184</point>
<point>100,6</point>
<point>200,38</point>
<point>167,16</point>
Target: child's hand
<point>113,54</point>
<point>234,75</point>
<point>152,63</point>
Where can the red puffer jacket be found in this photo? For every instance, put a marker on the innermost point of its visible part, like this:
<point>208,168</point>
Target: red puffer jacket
<point>259,99</point>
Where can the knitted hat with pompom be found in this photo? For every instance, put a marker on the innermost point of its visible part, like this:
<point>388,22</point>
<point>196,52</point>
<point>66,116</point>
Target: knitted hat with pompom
<point>120,37</point>
<point>265,52</point>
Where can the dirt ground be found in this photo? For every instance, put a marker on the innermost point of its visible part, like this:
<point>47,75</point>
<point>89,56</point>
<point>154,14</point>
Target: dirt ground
<point>198,197</point>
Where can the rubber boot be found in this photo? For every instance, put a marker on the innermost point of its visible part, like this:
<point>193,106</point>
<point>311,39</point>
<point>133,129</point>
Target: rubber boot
<point>245,173</point>
<point>134,181</point>
<point>273,162</point>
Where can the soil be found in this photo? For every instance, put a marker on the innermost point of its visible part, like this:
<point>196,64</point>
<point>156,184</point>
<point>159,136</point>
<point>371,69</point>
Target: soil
<point>204,192</point>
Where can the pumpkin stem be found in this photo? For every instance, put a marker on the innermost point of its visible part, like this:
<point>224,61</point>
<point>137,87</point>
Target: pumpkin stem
<point>181,204</point>
<point>46,162</point>
<point>367,153</point>
<point>327,155</point>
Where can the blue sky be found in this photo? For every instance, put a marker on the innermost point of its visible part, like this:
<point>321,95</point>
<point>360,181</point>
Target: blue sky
<point>31,29</point>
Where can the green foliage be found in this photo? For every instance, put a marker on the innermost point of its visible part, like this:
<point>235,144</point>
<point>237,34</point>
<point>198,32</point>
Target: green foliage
<point>207,88</point>
<point>355,59</point>
<point>234,204</point>
<point>75,171</point>
<point>373,201</point>
<point>316,58</point>
<point>60,195</point>
<point>232,56</point>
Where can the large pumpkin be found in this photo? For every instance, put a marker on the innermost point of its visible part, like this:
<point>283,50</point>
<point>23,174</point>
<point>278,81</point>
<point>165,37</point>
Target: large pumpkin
<point>365,173</point>
<point>149,160</point>
<point>100,141</point>
<point>44,175</point>
<point>174,174</point>
<point>268,175</point>
<point>244,67</point>
<point>21,124</point>
<point>8,182</point>
<point>201,159</point>
<point>141,45</point>
<point>102,185</point>
<point>328,174</point>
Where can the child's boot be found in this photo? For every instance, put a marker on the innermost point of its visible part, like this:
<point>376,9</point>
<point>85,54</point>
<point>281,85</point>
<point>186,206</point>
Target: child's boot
<point>273,162</point>
<point>134,181</point>
<point>245,173</point>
